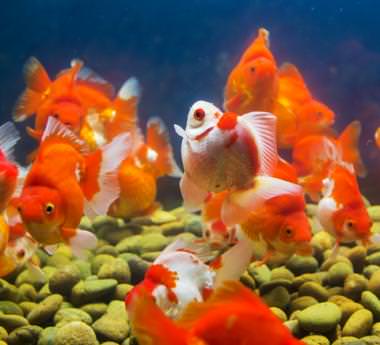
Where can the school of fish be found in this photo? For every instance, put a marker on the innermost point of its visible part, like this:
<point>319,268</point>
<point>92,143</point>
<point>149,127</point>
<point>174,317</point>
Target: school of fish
<point>92,158</point>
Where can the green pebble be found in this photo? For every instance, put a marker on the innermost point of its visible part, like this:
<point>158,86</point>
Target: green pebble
<point>28,292</point>
<point>357,256</point>
<point>326,265</point>
<point>27,307</point>
<point>3,333</point>
<point>114,324</point>
<point>130,244</point>
<point>86,224</point>
<point>301,303</point>
<point>320,318</point>
<point>268,286</point>
<point>369,270</point>
<point>248,281</point>
<point>58,260</point>
<point>63,280</point>
<point>308,277</point>
<point>151,256</point>
<point>121,291</point>
<point>42,255</point>
<point>346,305</point>
<point>26,277</point>
<point>372,303</point>
<point>354,285</point>
<point>371,340</point>
<point>108,250</point>
<point>96,310</point>
<point>302,264</point>
<point>114,237</point>
<point>93,291</point>
<point>24,335</point>
<point>316,340</point>
<point>375,329</point>
<point>84,268</point>
<point>49,271</point>
<point>152,243</point>
<point>99,260</point>
<point>338,273</point>
<point>72,314</point>
<point>11,322</point>
<point>282,273</point>
<point>8,307</point>
<point>315,290</point>
<point>374,283</point>
<point>47,336</point>
<point>374,213</point>
<point>105,223</point>
<point>43,293</point>
<point>261,274</point>
<point>279,313</point>
<point>44,312</point>
<point>358,324</point>
<point>347,341</point>
<point>9,292</point>
<point>293,326</point>
<point>118,269</point>
<point>373,259</point>
<point>75,333</point>
<point>278,297</point>
<point>136,265</point>
<point>173,228</point>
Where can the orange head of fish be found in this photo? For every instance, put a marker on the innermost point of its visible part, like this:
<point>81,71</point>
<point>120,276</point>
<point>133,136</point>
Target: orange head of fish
<point>41,208</point>
<point>315,115</point>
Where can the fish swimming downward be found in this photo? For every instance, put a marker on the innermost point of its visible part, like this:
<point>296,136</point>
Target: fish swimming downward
<point>225,152</point>
<point>64,182</point>
<point>342,211</point>
<point>233,314</point>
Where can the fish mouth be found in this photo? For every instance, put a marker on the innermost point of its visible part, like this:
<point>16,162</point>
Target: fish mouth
<point>305,249</point>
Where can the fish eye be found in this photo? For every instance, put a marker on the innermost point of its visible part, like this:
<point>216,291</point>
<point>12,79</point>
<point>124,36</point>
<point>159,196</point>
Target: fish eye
<point>319,114</point>
<point>55,115</point>
<point>288,232</point>
<point>199,114</point>
<point>226,236</point>
<point>21,253</point>
<point>253,69</point>
<point>49,208</point>
<point>207,233</point>
<point>350,224</point>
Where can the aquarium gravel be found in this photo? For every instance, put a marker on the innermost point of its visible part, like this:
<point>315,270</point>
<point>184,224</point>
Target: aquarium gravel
<point>323,301</point>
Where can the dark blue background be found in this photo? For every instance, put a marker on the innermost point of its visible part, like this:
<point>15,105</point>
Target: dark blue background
<point>182,51</point>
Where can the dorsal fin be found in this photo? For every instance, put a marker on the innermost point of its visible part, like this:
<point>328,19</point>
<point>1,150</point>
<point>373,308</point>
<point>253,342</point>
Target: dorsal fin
<point>36,77</point>
<point>55,129</point>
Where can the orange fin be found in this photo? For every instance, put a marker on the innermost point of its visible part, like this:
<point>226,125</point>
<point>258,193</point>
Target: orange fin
<point>36,77</point>
<point>156,329</point>
<point>160,152</point>
<point>290,72</point>
<point>100,183</point>
<point>34,133</point>
<point>125,109</point>
<point>26,105</point>
<point>56,131</point>
<point>349,141</point>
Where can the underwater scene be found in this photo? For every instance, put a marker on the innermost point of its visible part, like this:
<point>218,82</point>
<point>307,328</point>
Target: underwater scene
<point>190,173</point>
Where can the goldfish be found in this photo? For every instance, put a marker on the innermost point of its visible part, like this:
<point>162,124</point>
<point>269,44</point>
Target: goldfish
<point>16,248</point>
<point>63,183</point>
<point>226,152</point>
<point>252,85</point>
<point>314,154</point>
<point>139,171</point>
<point>297,112</point>
<point>177,277</point>
<point>377,137</point>
<point>9,171</point>
<point>342,211</point>
<point>233,314</point>
<point>68,98</point>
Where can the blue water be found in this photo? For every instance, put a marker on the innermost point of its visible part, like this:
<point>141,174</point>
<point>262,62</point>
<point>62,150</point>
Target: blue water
<point>182,51</point>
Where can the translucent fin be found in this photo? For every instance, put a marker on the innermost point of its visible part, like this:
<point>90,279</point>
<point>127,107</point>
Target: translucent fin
<point>193,196</point>
<point>55,128</point>
<point>238,206</point>
<point>157,138</point>
<point>106,190</point>
<point>180,131</point>
<point>82,241</point>
<point>27,104</point>
<point>9,136</point>
<point>36,77</point>
<point>262,127</point>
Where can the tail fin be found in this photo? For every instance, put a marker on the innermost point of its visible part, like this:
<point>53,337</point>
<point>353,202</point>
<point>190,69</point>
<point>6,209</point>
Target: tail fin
<point>160,152</point>
<point>156,329</point>
<point>100,183</point>
<point>125,111</point>
<point>349,141</point>
<point>37,83</point>
<point>9,136</point>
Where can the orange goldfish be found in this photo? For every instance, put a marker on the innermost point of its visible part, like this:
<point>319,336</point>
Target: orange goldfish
<point>9,171</point>
<point>177,277</point>
<point>140,170</point>
<point>64,182</point>
<point>252,84</point>
<point>67,98</point>
<point>377,137</point>
<point>232,315</point>
<point>313,155</point>
<point>298,113</point>
<point>342,211</point>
